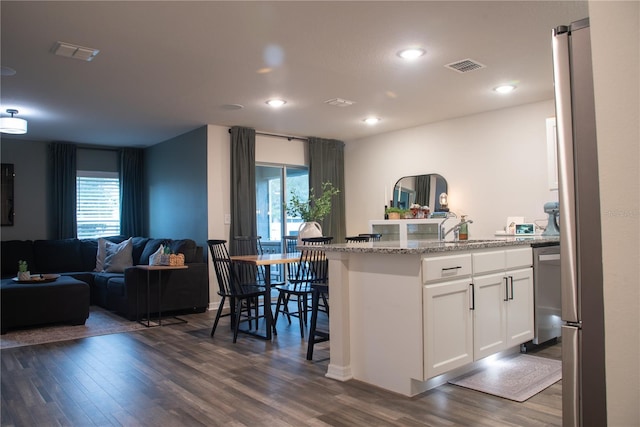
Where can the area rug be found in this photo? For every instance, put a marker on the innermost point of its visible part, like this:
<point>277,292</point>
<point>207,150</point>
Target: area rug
<point>100,322</point>
<point>517,378</point>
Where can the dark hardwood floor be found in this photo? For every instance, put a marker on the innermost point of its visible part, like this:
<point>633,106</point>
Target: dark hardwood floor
<point>178,376</point>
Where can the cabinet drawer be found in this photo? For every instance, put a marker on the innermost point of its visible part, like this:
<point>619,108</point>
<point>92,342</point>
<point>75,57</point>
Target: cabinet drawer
<point>445,267</point>
<point>521,257</point>
<point>485,262</point>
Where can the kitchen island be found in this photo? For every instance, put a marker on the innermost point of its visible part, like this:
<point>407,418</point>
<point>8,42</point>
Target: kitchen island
<point>408,316</point>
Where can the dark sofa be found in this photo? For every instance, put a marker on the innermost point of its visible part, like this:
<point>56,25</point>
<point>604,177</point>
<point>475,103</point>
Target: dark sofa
<point>183,291</point>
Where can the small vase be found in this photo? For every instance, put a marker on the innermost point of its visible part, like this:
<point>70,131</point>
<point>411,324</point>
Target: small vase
<point>24,275</point>
<point>308,229</point>
<point>394,215</point>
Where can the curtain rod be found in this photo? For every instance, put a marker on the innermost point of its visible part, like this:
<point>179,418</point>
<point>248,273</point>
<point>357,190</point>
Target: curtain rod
<point>290,138</point>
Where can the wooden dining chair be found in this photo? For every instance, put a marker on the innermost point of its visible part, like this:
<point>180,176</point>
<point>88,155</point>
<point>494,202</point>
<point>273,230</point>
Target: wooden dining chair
<point>242,295</point>
<point>249,245</point>
<point>356,239</point>
<point>311,269</point>
<point>373,237</point>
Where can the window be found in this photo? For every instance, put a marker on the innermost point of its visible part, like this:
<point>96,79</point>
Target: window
<point>272,182</point>
<point>98,204</point>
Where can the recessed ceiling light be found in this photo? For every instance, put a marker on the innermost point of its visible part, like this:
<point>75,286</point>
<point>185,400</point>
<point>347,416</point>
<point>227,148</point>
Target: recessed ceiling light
<point>504,88</point>
<point>276,102</point>
<point>371,120</point>
<point>411,53</point>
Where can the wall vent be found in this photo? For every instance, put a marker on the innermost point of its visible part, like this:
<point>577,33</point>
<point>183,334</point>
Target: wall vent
<point>465,65</point>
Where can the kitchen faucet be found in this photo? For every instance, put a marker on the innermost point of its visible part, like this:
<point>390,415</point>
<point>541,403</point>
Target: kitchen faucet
<point>441,230</point>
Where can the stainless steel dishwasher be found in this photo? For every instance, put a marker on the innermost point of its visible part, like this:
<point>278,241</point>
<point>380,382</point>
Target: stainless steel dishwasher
<point>546,288</point>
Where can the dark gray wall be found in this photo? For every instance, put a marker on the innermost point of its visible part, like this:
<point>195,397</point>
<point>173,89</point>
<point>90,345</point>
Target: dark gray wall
<point>176,175</point>
<point>30,189</point>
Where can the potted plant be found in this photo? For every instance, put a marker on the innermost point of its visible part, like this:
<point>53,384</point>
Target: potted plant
<point>395,213</point>
<point>23,271</point>
<point>315,209</point>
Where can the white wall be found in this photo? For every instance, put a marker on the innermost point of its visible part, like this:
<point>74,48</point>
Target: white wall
<point>495,164</point>
<point>615,39</point>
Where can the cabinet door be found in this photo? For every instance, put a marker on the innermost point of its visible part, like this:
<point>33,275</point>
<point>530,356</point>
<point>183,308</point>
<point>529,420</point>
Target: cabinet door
<point>490,314</point>
<point>448,327</point>
<point>520,324</point>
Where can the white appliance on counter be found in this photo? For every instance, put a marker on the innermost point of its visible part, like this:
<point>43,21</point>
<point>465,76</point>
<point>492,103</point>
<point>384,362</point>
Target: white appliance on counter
<point>583,346</point>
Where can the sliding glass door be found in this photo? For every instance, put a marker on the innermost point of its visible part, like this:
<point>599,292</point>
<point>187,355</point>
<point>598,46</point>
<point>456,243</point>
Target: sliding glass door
<point>274,184</point>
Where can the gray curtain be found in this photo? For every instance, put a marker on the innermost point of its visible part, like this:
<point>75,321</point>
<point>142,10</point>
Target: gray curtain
<point>62,167</point>
<point>131,192</point>
<point>423,185</point>
<point>243,184</point>
<point>326,164</point>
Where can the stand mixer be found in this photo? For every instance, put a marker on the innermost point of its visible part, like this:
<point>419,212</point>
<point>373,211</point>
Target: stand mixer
<point>553,210</point>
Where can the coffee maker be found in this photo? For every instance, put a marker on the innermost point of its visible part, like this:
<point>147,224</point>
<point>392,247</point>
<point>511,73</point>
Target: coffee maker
<point>553,211</point>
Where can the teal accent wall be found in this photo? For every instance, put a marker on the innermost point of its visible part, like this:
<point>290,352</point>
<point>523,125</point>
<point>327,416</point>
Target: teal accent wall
<point>176,175</point>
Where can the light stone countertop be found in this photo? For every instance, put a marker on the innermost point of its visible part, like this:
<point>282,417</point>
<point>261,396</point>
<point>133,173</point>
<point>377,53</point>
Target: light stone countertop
<point>434,246</point>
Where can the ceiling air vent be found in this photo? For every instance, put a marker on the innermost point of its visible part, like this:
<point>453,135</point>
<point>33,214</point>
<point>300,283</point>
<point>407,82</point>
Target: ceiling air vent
<point>465,65</point>
<point>69,50</point>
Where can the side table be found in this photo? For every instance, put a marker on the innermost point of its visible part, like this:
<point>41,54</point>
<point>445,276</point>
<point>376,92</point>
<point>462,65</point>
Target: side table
<point>146,321</point>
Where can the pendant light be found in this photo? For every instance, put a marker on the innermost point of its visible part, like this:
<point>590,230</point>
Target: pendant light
<point>12,124</point>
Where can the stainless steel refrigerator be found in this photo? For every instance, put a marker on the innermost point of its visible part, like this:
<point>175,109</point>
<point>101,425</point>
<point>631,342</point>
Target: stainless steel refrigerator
<point>583,347</point>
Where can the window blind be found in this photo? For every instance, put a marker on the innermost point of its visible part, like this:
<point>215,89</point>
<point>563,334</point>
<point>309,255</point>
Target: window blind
<point>98,204</point>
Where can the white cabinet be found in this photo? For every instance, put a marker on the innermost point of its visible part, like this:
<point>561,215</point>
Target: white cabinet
<point>447,315</point>
<point>448,326</point>
<point>490,315</point>
<point>520,309</point>
<point>475,304</point>
<point>503,315</point>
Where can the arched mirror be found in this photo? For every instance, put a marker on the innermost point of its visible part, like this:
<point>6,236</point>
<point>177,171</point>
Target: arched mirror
<point>421,189</point>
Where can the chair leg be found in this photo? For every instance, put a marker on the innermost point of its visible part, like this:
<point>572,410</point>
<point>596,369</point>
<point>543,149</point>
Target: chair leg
<point>269,322</point>
<point>301,314</point>
<point>278,305</point>
<point>236,326</point>
<point>315,300</point>
<point>215,322</point>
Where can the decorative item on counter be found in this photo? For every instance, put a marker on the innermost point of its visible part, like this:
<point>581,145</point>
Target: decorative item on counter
<point>395,213</point>
<point>23,270</point>
<point>463,233</point>
<point>444,202</point>
<point>312,210</point>
<point>386,215</point>
<point>419,212</point>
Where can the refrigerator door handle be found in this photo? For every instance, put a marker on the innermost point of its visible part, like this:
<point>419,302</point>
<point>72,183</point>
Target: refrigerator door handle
<point>571,376</point>
<point>566,177</point>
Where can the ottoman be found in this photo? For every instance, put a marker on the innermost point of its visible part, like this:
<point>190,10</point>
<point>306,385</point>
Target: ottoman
<point>65,300</point>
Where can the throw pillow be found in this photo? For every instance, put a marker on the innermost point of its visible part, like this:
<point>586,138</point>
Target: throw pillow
<point>118,256</point>
<point>100,254</point>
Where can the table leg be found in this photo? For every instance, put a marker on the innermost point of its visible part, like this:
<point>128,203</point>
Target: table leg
<point>271,325</point>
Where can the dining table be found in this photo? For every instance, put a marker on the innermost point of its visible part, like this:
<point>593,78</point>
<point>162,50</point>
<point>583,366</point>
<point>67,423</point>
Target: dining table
<point>266,261</point>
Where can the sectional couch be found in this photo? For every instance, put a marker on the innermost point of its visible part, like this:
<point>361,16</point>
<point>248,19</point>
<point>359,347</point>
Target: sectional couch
<point>118,286</point>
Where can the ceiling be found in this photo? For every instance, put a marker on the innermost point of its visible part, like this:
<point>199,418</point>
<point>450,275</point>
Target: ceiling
<point>165,68</point>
